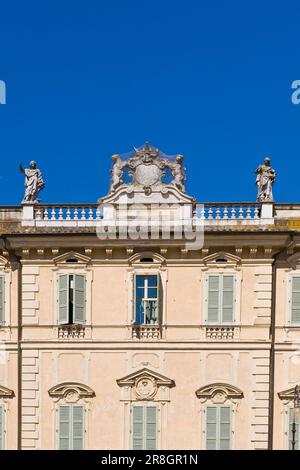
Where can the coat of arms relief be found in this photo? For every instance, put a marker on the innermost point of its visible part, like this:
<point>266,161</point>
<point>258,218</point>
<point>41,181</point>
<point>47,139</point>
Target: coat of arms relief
<point>147,167</point>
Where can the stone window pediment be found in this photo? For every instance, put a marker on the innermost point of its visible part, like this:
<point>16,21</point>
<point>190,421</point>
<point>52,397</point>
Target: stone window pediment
<point>71,392</point>
<point>4,263</point>
<point>287,396</point>
<point>139,259</point>
<point>219,393</point>
<point>76,258</point>
<point>6,392</point>
<point>223,259</point>
<point>145,383</point>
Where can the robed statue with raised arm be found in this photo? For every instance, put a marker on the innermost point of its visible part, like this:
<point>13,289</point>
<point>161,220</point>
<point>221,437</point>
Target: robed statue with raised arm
<point>33,183</point>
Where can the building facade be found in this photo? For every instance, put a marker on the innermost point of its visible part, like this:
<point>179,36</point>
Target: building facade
<point>148,320</point>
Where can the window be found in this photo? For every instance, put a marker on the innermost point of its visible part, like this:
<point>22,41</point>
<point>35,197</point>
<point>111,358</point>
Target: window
<point>71,427</point>
<point>146,305</point>
<point>220,299</point>
<point>218,427</point>
<point>2,300</point>
<point>71,298</point>
<point>144,427</point>
<point>1,427</point>
<point>297,447</point>
<point>295,300</point>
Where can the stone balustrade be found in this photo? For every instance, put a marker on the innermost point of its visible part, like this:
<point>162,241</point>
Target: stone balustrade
<point>146,332</point>
<point>69,332</point>
<point>220,333</point>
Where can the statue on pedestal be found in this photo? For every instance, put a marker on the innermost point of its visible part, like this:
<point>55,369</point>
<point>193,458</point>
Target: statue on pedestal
<point>265,179</point>
<point>178,173</point>
<point>33,183</point>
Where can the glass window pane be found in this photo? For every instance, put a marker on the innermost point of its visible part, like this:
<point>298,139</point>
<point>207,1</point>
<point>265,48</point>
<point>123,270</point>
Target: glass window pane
<point>152,281</point>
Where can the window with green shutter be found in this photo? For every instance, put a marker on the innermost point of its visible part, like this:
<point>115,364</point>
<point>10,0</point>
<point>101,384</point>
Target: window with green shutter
<point>295,300</point>
<point>71,298</point>
<point>71,427</point>
<point>1,428</point>
<point>144,427</point>
<point>220,299</point>
<point>290,425</point>
<point>218,427</point>
<point>2,300</point>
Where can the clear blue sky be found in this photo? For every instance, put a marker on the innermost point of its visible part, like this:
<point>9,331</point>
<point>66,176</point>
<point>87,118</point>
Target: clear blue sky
<point>210,80</point>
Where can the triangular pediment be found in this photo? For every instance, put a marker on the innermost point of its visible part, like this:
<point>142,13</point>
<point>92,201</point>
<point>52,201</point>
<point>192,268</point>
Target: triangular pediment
<point>222,258</point>
<point>6,392</point>
<point>72,255</point>
<point>131,379</point>
<point>287,395</point>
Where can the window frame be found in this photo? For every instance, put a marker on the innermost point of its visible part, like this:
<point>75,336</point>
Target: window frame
<point>145,405</point>
<point>84,424</point>
<point>218,406</point>
<point>88,292</point>
<point>290,278</point>
<point>6,276</point>
<point>236,296</point>
<point>145,288</point>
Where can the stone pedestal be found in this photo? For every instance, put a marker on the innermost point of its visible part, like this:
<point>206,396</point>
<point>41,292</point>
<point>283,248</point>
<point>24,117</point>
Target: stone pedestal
<point>267,213</point>
<point>28,214</point>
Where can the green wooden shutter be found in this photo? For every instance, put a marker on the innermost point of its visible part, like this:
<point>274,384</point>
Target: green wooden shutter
<point>63,298</point>
<point>295,313</point>
<point>79,298</point>
<point>290,417</point>
<point>1,428</point>
<point>2,300</point>
<point>159,300</point>
<point>151,427</point>
<point>65,427</point>
<point>224,427</point>
<point>213,299</point>
<point>78,427</point>
<point>137,427</point>
<point>211,427</point>
<point>227,299</point>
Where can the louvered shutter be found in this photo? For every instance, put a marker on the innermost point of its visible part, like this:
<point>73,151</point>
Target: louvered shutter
<point>2,300</point>
<point>151,426</point>
<point>213,299</point>
<point>295,314</point>
<point>224,427</point>
<point>65,427</point>
<point>137,427</point>
<point>78,427</point>
<point>63,298</point>
<point>1,427</point>
<point>79,298</point>
<point>211,427</point>
<point>290,432</point>
<point>227,299</point>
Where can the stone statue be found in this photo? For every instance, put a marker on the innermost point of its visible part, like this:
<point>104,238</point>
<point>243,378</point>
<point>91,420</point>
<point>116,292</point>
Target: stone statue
<point>265,180</point>
<point>116,173</point>
<point>33,183</point>
<point>178,173</point>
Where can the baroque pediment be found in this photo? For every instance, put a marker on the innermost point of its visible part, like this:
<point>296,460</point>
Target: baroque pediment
<point>71,392</point>
<point>219,392</point>
<point>144,172</point>
<point>287,395</point>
